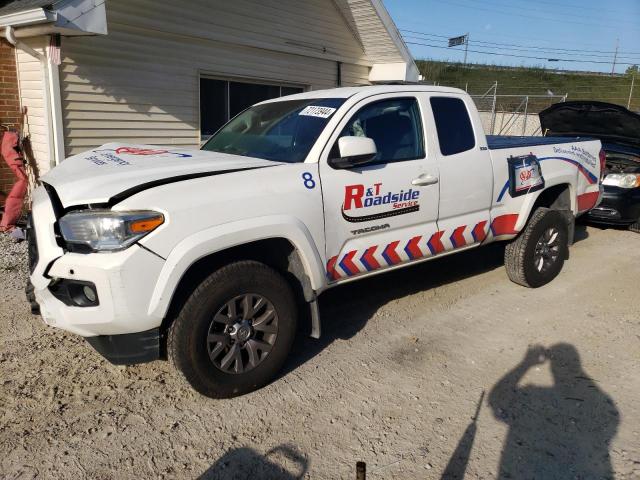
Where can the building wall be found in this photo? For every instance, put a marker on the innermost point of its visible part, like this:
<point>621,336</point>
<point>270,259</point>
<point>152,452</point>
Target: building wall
<point>31,85</point>
<point>9,107</point>
<point>140,82</point>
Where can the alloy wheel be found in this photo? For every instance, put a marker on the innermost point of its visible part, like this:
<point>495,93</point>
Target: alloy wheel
<point>547,250</point>
<point>242,333</point>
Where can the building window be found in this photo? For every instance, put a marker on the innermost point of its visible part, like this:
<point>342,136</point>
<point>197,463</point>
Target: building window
<point>221,100</point>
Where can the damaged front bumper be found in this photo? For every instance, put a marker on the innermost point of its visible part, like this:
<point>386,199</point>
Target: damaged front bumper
<point>117,321</point>
<point>619,206</point>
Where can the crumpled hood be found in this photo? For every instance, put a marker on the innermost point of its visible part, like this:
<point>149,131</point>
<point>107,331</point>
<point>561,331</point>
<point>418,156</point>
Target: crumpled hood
<point>116,170</point>
<point>604,121</point>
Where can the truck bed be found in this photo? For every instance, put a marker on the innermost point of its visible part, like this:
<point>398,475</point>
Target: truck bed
<point>497,142</point>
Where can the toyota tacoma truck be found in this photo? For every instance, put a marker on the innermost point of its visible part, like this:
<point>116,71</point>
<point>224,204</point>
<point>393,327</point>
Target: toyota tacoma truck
<point>212,258</point>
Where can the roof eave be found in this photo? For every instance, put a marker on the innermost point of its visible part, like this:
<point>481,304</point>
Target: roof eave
<point>28,17</point>
<point>67,17</point>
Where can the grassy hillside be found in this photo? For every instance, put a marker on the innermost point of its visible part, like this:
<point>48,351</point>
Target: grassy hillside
<point>477,79</point>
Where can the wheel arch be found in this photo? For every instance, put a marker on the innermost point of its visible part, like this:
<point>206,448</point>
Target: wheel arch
<point>560,196</point>
<point>286,246</point>
<point>557,197</point>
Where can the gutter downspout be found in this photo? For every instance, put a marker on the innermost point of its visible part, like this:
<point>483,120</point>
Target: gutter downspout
<point>51,92</point>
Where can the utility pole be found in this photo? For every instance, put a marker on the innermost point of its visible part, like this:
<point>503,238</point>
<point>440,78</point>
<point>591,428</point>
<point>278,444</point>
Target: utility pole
<point>466,47</point>
<point>615,57</point>
<point>633,80</point>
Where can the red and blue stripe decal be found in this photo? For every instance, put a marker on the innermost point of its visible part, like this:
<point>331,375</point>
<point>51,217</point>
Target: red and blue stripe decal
<point>504,225</point>
<point>375,257</point>
<point>587,201</point>
<point>457,237</point>
<point>479,233</point>
<point>413,249</point>
<point>591,178</point>
<point>331,269</point>
<point>390,254</point>
<point>347,263</point>
<point>368,260</point>
<point>435,243</point>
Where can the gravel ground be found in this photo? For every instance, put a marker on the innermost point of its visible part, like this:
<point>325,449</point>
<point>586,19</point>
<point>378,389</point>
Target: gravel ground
<point>395,381</point>
<point>13,263</point>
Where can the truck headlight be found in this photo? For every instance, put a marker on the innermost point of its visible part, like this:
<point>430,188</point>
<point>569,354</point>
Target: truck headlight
<point>107,230</point>
<point>623,180</point>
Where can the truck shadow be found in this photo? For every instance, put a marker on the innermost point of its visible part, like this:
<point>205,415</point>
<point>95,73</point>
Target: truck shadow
<point>581,233</point>
<point>345,310</point>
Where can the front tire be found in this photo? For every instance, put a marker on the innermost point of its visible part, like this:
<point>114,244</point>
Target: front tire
<point>235,331</point>
<point>537,255</point>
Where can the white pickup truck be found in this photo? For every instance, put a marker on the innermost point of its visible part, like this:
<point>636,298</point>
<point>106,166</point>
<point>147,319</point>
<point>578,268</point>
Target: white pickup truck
<point>210,257</point>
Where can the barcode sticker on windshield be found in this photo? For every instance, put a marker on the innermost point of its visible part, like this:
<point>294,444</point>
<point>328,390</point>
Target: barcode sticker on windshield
<point>315,111</point>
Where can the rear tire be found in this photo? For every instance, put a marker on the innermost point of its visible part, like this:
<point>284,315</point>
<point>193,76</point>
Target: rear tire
<point>537,255</point>
<point>235,331</point>
<point>635,227</point>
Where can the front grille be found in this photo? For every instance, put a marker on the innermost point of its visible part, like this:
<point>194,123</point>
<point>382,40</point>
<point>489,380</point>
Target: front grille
<point>32,244</point>
<point>605,212</point>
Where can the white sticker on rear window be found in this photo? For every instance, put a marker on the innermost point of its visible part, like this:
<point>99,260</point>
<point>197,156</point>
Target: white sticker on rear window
<point>316,111</point>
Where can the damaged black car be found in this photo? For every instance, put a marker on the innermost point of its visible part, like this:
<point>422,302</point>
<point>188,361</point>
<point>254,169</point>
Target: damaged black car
<point>619,131</point>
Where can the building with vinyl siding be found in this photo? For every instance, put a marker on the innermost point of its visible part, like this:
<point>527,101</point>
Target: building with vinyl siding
<point>170,73</point>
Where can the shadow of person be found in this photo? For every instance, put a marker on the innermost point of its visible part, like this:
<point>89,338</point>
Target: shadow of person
<point>457,466</point>
<point>558,432</point>
<point>243,463</point>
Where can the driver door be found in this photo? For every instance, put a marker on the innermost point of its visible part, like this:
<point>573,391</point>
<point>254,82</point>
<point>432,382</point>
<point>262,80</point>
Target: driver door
<point>381,214</point>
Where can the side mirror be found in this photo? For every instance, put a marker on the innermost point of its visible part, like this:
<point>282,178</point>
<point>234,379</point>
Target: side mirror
<point>354,151</point>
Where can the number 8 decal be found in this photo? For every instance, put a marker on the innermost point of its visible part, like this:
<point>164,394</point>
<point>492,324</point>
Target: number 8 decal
<point>309,182</point>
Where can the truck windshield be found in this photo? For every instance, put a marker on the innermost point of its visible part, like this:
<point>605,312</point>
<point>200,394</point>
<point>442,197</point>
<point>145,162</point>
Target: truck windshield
<point>282,131</point>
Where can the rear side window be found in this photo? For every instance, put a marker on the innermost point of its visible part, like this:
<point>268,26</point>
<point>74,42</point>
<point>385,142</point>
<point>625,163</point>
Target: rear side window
<point>453,125</point>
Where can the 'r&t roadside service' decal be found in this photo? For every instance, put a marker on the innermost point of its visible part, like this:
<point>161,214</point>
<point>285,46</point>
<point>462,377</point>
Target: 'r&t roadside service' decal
<point>144,151</point>
<point>360,198</point>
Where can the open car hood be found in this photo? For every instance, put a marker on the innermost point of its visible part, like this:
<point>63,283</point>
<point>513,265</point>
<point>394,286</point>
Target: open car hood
<point>604,121</point>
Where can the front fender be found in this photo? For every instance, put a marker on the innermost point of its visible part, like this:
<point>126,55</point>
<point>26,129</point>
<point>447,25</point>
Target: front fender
<point>228,235</point>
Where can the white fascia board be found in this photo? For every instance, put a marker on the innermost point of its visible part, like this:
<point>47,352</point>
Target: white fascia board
<point>388,72</point>
<point>27,17</point>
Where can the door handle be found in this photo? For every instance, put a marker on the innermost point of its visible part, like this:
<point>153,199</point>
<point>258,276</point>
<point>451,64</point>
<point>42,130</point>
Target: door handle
<point>424,180</point>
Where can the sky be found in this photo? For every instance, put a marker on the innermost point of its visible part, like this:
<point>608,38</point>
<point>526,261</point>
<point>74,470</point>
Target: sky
<point>504,30</point>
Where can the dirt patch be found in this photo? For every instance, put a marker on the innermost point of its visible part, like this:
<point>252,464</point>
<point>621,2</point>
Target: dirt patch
<point>395,381</point>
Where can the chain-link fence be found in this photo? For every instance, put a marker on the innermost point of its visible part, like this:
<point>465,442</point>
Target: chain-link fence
<point>545,84</point>
<point>512,114</point>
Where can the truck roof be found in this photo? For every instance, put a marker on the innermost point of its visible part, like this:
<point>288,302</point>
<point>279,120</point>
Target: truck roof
<point>366,90</point>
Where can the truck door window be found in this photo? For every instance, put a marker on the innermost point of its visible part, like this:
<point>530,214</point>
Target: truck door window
<point>395,127</point>
<point>455,132</point>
